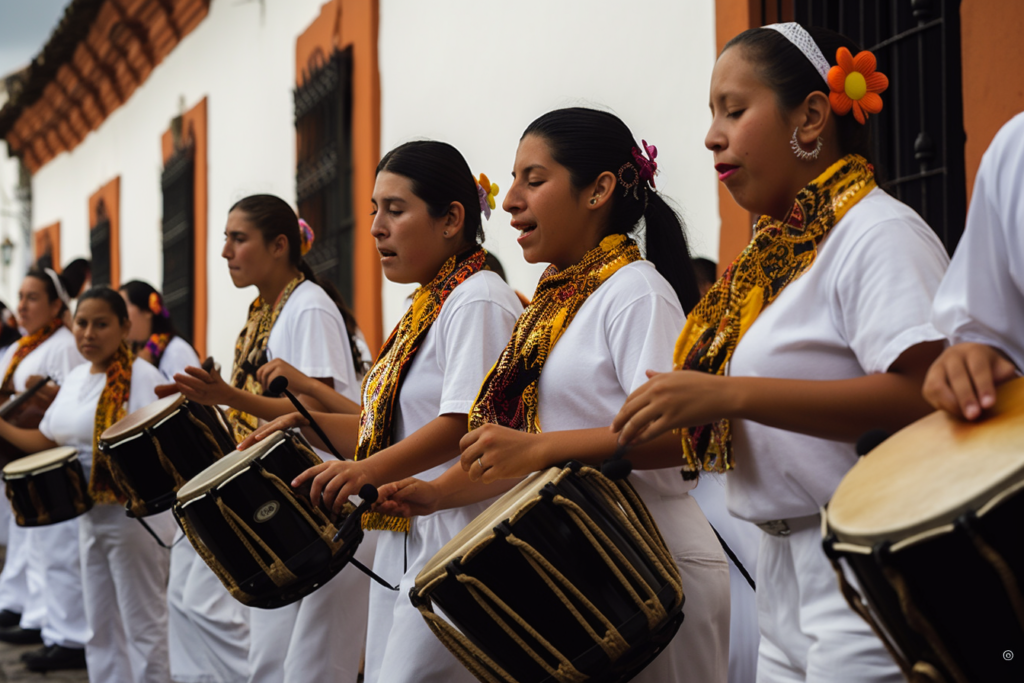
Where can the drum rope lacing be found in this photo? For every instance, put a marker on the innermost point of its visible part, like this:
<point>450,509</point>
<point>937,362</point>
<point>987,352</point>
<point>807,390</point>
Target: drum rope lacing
<point>624,502</point>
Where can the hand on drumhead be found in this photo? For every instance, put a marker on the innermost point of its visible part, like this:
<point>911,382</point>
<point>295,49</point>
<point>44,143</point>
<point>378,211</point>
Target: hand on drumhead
<point>165,390</point>
<point>208,388</point>
<point>962,381</point>
<point>297,381</point>
<point>409,497</point>
<point>333,482</point>
<point>671,400</point>
<point>280,424</point>
<point>492,452</point>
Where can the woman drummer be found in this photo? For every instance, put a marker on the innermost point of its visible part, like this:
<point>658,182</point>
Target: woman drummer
<point>124,571</point>
<point>815,334</point>
<point>207,628</point>
<point>53,602</point>
<point>428,230</point>
<point>294,319</point>
<point>600,317</point>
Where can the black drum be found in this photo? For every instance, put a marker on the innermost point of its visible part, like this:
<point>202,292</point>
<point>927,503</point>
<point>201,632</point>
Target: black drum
<point>564,578</point>
<point>265,541</point>
<point>158,448</point>
<point>47,488</point>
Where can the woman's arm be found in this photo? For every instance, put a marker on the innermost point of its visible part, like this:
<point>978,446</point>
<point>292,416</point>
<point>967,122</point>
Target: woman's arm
<point>319,389</point>
<point>28,440</point>
<point>414,497</point>
<point>832,409</point>
<point>209,388</point>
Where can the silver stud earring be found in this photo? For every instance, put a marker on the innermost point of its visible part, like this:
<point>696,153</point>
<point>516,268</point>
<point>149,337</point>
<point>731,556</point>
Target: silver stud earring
<point>800,152</point>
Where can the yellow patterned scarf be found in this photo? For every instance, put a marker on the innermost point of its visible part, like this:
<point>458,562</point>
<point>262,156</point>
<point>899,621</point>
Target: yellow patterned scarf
<point>251,353</point>
<point>509,395</point>
<point>112,406</point>
<point>779,253</point>
<point>384,380</point>
<point>27,345</point>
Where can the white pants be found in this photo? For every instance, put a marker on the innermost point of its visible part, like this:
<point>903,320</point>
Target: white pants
<point>744,539</point>
<point>209,629</point>
<point>20,586</point>
<point>124,580</point>
<point>54,555</point>
<point>318,638</point>
<point>808,632</point>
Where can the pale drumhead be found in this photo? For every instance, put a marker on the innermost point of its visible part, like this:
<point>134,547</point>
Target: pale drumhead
<point>130,425</point>
<point>39,461</point>
<point>226,467</point>
<point>930,473</point>
<point>479,528</point>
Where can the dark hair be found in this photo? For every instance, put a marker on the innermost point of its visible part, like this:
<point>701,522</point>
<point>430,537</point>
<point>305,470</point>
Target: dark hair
<point>138,293</point>
<point>112,298</point>
<point>51,289</point>
<point>439,176</point>
<point>272,217</point>
<point>8,334</point>
<point>791,75</point>
<point>75,274</point>
<point>492,263</point>
<point>706,270</point>
<point>589,142</point>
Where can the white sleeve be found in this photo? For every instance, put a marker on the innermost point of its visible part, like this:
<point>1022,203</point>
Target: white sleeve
<point>63,359</point>
<point>145,380</point>
<point>470,340</point>
<point>642,337</point>
<point>884,290</point>
<point>317,346</point>
<point>982,296</point>
<point>177,356</point>
<point>63,404</point>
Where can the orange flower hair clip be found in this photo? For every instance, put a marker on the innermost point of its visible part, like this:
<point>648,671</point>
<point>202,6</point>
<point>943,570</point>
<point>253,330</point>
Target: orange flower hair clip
<point>856,85</point>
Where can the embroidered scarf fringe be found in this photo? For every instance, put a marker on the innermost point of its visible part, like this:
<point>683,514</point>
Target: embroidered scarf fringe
<point>112,406</point>
<point>508,396</point>
<point>779,253</point>
<point>251,353</point>
<point>27,345</point>
<point>384,380</point>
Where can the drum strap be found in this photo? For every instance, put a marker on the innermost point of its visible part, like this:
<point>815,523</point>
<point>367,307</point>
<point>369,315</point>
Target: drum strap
<point>152,533</point>
<point>735,560</point>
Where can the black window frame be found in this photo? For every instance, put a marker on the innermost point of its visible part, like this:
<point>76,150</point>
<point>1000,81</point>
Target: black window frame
<point>177,182</point>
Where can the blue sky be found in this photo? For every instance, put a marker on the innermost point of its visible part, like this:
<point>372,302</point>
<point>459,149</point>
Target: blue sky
<point>25,26</point>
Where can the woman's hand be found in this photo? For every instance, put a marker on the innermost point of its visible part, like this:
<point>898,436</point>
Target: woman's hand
<point>298,383</point>
<point>671,400</point>
<point>208,388</point>
<point>962,381</point>
<point>409,497</point>
<point>279,424</point>
<point>492,452</point>
<point>42,399</point>
<point>333,482</point>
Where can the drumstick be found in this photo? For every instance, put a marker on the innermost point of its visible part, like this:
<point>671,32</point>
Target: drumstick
<point>280,386</point>
<point>617,467</point>
<point>18,400</point>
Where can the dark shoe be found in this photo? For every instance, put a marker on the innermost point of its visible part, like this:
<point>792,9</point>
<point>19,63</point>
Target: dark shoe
<point>38,652</point>
<point>54,658</point>
<point>17,635</point>
<point>9,618</point>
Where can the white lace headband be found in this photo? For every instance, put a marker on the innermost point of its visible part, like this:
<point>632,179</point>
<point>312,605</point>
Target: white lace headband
<point>798,35</point>
<point>61,292</point>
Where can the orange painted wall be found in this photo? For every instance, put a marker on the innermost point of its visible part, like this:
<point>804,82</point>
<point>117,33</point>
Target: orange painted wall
<point>110,194</point>
<point>48,236</point>
<point>194,130</point>
<point>342,23</point>
<point>993,88</point>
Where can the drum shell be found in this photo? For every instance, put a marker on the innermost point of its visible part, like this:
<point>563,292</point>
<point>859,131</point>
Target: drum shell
<point>136,462</point>
<point>503,568</point>
<point>50,497</point>
<point>957,591</point>
<point>286,532</point>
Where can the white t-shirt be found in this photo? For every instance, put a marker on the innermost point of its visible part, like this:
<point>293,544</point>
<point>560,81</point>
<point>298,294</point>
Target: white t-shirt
<point>310,335</point>
<point>178,354</point>
<point>70,418</point>
<point>625,328</point>
<point>55,358</point>
<point>865,301</point>
<point>981,299</point>
<point>456,354</point>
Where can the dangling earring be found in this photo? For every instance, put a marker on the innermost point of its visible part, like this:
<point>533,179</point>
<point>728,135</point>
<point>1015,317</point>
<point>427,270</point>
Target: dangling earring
<point>802,154</point>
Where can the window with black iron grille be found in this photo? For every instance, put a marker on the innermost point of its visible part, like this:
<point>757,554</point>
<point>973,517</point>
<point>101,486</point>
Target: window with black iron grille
<point>323,178</point>
<point>919,135</point>
<point>178,185</point>
<point>99,244</point>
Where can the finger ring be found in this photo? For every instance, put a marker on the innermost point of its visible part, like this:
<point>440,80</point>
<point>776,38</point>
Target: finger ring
<point>480,461</point>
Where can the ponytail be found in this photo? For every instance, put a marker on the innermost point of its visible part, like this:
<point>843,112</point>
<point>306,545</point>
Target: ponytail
<point>351,326</point>
<point>666,248</point>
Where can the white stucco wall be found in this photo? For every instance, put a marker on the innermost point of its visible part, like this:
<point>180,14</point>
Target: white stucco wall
<point>244,64</point>
<point>475,74</point>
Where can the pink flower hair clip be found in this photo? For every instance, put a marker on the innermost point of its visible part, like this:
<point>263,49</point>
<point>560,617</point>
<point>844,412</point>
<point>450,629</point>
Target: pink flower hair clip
<point>307,237</point>
<point>647,166</point>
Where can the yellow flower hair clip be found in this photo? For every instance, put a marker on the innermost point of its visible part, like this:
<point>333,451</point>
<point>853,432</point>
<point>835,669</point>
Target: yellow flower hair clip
<point>487,191</point>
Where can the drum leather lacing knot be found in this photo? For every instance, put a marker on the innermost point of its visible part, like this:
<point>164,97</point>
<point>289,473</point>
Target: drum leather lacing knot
<point>624,502</point>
